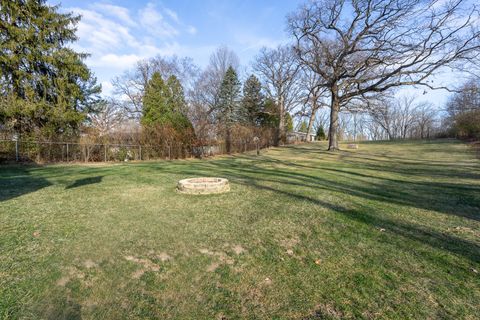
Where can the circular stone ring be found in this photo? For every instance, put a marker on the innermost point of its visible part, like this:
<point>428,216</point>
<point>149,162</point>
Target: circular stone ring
<point>205,185</point>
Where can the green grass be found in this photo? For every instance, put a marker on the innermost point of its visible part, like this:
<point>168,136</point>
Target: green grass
<point>391,230</point>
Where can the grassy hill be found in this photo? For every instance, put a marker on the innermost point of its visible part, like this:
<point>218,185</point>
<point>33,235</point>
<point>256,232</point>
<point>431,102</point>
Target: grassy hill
<point>391,230</point>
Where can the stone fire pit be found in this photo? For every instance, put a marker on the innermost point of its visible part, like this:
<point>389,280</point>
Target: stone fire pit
<point>207,185</point>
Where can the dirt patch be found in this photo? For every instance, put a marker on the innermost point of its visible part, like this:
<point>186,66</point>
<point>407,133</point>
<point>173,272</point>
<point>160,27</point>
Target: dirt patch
<point>206,251</point>
<point>220,257</point>
<point>289,243</point>
<point>62,282</point>
<point>212,267</point>
<point>89,264</point>
<point>238,249</point>
<point>163,256</point>
<point>146,265</point>
<point>326,311</point>
<point>70,274</point>
<point>137,274</point>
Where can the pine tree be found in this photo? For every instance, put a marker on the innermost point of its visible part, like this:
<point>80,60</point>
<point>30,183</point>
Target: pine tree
<point>303,127</point>
<point>229,102</point>
<point>44,83</point>
<point>155,105</point>
<point>320,133</point>
<point>253,101</point>
<point>164,105</point>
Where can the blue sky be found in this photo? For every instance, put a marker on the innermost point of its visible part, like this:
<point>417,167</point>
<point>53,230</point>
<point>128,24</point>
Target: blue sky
<point>119,33</point>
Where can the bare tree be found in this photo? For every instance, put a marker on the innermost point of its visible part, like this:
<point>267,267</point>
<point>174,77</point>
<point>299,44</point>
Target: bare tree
<point>206,90</point>
<point>313,96</point>
<point>403,117</point>
<point>466,99</point>
<point>279,72</point>
<point>425,120</point>
<point>130,86</point>
<point>107,118</point>
<point>361,48</point>
<point>321,119</point>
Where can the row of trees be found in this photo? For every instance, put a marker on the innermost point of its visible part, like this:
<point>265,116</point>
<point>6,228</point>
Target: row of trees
<point>213,100</point>
<point>347,57</point>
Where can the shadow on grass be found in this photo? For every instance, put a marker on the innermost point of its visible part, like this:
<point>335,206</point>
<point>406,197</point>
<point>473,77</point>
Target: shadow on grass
<point>84,182</point>
<point>16,181</point>
<point>403,188</point>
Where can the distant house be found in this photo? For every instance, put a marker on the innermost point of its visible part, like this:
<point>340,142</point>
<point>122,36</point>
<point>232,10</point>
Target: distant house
<point>298,136</point>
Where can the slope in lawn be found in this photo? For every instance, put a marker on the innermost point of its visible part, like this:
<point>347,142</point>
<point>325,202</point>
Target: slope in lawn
<point>390,230</point>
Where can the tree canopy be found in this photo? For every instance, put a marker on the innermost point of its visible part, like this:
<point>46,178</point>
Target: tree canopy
<point>253,100</point>
<point>44,83</point>
<point>362,48</point>
<point>164,104</point>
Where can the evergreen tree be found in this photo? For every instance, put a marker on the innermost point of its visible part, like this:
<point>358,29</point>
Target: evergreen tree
<point>252,101</point>
<point>229,102</point>
<point>269,117</point>
<point>164,104</point>
<point>303,127</point>
<point>155,106</point>
<point>44,84</point>
<point>320,133</point>
<point>288,122</point>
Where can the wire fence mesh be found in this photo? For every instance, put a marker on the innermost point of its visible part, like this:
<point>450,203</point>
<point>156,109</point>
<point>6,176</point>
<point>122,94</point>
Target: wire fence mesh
<point>62,151</point>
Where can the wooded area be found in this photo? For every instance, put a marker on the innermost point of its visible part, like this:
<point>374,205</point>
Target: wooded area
<point>339,77</point>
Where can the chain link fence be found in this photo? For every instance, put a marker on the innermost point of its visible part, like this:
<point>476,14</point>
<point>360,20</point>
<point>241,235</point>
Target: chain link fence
<point>60,151</point>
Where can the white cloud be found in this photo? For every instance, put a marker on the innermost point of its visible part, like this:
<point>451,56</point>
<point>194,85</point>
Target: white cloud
<point>115,61</point>
<point>116,38</point>
<point>251,41</point>
<point>107,88</point>
<point>192,30</point>
<point>120,13</point>
<point>172,14</point>
<point>98,33</point>
<point>154,22</point>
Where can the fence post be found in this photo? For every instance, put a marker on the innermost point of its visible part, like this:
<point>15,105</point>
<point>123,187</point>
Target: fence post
<point>67,152</point>
<point>169,152</point>
<point>140,152</point>
<point>105,152</point>
<point>16,150</point>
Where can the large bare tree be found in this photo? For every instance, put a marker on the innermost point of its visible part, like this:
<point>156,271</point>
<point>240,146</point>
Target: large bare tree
<point>278,70</point>
<point>365,47</point>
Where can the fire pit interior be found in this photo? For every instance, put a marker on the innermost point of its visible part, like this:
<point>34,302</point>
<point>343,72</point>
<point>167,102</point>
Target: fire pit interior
<point>207,185</point>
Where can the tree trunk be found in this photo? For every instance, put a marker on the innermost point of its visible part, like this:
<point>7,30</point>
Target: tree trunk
<point>228,140</point>
<point>310,121</point>
<point>280,134</point>
<point>333,131</point>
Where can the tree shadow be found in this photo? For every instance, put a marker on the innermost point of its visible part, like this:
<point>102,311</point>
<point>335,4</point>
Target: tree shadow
<point>17,180</point>
<point>85,181</point>
<point>289,180</point>
<point>59,306</point>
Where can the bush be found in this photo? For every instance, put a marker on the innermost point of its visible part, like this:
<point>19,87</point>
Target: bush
<point>467,125</point>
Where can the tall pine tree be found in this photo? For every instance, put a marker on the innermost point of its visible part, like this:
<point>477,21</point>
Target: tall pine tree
<point>229,105</point>
<point>253,101</point>
<point>164,105</point>
<point>44,84</point>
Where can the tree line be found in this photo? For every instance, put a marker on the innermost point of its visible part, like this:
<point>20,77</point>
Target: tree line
<point>338,78</point>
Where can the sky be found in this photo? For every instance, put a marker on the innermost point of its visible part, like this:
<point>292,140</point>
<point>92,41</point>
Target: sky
<point>118,33</point>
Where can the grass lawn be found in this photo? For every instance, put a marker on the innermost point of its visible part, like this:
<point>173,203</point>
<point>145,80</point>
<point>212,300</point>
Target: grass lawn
<point>391,230</point>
